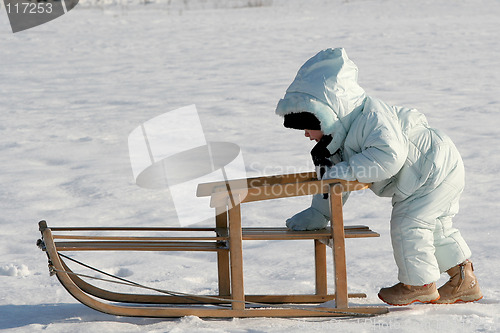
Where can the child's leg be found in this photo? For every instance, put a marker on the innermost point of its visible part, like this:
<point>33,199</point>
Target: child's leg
<point>412,238</point>
<point>452,253</point>
<point>413,244</point>
<point>413,230</point>
<point>450,247</point>
<point>425,243</point>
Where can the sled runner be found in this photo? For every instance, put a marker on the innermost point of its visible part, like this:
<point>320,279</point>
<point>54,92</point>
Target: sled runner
<point>226,240</point>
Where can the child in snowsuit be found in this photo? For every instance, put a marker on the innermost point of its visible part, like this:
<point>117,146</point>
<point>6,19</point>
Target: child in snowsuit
<point>393,148</point>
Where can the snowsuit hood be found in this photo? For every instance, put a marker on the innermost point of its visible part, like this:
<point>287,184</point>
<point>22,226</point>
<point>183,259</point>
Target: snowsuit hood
<point>326,86</point>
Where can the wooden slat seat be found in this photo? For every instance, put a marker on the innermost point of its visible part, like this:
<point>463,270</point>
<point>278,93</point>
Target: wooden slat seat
<point>282,233</point>
<point>287,234</point>
<point>127,239</point>
<point>140,246</point>
<point>194,243</point>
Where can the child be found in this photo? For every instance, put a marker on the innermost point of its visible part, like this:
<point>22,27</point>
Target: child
<point>393,148</point>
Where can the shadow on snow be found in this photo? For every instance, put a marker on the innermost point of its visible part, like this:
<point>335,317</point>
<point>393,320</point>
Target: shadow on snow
<point>14,316</point>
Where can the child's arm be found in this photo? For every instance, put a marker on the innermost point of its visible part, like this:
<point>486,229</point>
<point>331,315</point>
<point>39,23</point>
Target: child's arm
<point>382,148</point>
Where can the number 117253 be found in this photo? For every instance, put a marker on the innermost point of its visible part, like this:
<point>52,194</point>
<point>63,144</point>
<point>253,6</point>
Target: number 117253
<point>29,8</point>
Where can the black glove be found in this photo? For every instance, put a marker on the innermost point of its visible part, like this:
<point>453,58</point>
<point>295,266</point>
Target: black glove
<point>321,155</point>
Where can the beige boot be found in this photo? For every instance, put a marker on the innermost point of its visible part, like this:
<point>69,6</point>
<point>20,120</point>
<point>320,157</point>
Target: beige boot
<point>403,294</point>
<point>462,286</point>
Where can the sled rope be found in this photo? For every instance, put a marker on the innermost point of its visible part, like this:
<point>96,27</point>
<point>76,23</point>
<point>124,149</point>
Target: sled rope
<point>121,280</point>
<point>193,297</point>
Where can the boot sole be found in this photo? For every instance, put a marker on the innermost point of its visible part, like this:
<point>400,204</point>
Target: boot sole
<point>458,300</point>
<point>414,301</point>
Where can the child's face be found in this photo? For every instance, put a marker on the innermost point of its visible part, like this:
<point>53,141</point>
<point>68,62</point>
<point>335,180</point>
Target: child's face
<point>315,135</point>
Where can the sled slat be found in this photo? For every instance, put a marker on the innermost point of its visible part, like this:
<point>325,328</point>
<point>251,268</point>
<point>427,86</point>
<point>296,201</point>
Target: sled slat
<point>105,229</point>
<point>139,246</point>
<point>287,234</point>
<point>207,189</point>
<point>276,191</point>
<point>145,239</point>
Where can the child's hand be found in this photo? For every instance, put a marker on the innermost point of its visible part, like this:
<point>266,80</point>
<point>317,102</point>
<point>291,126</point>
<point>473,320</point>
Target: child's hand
<point>321,155</point>
<point>313,218</point>
<point>308,219</point>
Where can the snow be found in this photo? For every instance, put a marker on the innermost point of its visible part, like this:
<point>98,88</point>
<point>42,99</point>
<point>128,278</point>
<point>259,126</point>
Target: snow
<point>73,89</point>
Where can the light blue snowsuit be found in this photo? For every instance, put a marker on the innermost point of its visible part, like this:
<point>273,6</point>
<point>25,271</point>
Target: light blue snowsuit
<point>394,149</point>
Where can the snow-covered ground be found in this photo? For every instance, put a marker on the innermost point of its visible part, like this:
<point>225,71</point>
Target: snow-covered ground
<point>73,89</point>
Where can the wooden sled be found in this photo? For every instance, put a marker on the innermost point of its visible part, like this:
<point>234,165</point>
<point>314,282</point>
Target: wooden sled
<point>226,240</point>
